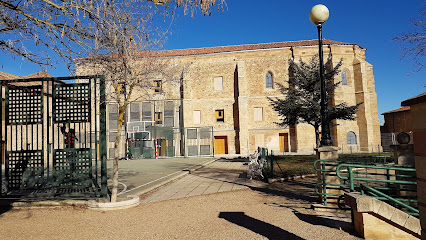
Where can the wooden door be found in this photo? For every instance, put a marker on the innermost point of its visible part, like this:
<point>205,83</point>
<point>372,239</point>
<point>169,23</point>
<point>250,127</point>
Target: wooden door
<point>220,145</point>
<point>284,146</point>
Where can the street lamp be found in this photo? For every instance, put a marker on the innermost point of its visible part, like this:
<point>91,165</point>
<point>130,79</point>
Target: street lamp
<point>318,15</point>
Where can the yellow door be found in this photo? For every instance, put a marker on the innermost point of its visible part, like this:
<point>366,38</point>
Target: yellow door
<point>284,142</point>
<point>220,145</point>
<point>163,145</point>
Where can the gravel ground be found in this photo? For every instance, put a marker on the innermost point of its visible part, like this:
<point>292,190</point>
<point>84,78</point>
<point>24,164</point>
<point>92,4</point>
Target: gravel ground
<point>255,213</point>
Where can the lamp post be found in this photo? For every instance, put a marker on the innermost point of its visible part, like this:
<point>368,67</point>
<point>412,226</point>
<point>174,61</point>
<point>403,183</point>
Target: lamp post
<point>318,15</point>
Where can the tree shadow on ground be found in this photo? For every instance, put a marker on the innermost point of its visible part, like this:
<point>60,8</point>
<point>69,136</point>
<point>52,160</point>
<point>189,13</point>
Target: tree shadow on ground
<point>265,229</point>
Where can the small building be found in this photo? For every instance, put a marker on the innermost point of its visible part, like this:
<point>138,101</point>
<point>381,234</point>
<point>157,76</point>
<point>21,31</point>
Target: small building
<point>396,121</point>
<point>417,106</point>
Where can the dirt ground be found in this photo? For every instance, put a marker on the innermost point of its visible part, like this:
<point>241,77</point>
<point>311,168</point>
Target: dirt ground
<point>279,212</point>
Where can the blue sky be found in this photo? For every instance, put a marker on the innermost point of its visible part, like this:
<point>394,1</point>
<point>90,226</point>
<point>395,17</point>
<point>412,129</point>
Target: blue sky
<point>371,24</point>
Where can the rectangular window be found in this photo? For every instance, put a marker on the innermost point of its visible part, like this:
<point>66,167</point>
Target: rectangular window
<point>134,112</point>
<point>192,133</point>
<point>146,111</point>
<point>169,122</point>
<point>158,117</point>
<point>112,136</point>
<point>158,86</point>
<point>113,116</point>
<point>218,83</point>
<point>168,114</point>
<point>258,114</point>
<point>197,117</point>
<point>220,116</point>
<point>205,133</point>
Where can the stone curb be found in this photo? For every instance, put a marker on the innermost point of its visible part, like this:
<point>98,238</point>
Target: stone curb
<point>272,180</point>
<point>102,206</point>
<point>93,204</point>
<point>42,204</point>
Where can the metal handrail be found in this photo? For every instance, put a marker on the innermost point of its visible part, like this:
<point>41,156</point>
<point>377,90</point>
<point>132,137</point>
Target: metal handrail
<point>397,201</point>
<point>349,173</point>
<point>351,177</point>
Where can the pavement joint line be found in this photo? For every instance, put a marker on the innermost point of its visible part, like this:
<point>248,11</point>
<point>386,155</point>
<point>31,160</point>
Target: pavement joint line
<point>185,172</point>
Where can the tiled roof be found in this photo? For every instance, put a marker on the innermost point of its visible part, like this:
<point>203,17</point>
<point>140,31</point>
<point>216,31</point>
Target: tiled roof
<point>9,76</point>
<point>414,100</point>
<point>41,74</point>
<point>235,48</point>
<point>398,110</point>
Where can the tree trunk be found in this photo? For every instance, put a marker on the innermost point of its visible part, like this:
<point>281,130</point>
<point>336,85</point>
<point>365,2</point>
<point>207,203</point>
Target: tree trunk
<point>114,191</point>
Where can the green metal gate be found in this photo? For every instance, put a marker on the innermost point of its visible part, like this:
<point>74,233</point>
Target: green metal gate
<point>54,135</point>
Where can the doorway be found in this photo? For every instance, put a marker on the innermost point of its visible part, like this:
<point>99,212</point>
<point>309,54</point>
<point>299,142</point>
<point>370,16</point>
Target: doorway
<point>220,145</point>
<point>284,147</point>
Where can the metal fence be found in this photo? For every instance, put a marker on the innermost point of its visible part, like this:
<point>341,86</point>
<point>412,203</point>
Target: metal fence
<point>54,137</point>
<point>152,141</point>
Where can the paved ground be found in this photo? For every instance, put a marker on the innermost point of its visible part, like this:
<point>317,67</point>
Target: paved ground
<point>219,176</point>
<point>138,176</point>
<point>214,202</point>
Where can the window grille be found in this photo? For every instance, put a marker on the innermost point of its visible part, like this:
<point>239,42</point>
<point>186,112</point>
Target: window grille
<point>344,79</point>
<point>269,81</point>
<point>351,138</point>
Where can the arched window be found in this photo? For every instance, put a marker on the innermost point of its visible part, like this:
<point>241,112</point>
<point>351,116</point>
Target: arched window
<point>351,138</point>
<point>344,78</point>
<point>269,81</point>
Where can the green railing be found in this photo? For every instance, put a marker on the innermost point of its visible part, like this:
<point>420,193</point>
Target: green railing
<point>385,181</point>
<point>379,179</point>
<point>269,164</point>
<point>325,167</point>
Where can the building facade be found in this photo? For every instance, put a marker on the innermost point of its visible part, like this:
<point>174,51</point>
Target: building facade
<point>227,89</point>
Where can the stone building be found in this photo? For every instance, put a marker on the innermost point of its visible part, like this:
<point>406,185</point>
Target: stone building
<point>227,88</point>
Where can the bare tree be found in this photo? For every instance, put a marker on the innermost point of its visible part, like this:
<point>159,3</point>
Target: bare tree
<point>414,42</point>
<point>34,29</point>
<point>125,51</point>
